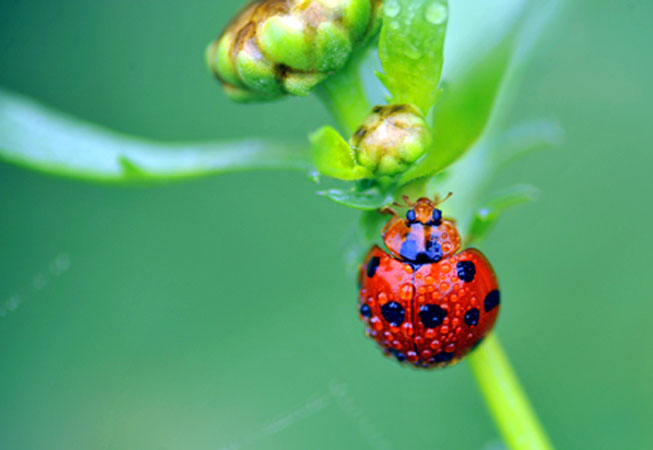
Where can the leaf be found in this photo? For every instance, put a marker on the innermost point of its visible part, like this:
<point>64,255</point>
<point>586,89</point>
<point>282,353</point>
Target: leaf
<point>361,237</point>
<point>333,156</point>
<point>487,215</point>
<point>371,224</point>
<point>366,200</point>
<point>525,138</point>
<point>410,49</point>
<point>472,84</point>
<point>462,113</point>
<point>39,138</point>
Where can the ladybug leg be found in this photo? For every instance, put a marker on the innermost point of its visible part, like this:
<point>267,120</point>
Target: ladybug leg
<point>407,202</point>
<point>388,210</point>
<point>393,213</point>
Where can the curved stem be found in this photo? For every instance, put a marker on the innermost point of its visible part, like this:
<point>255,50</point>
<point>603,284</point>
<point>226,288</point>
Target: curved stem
<point>344,97</point>
<point>506,400</point>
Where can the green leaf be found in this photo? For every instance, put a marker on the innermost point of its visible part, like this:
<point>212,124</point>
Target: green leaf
<point>471,87</point>
<point>333,156</point>
<point>524,138</point>
<point>462,113</point>
<point>487,215</point>
<point>410,49</point>
<point>360,237</point>
<point>48,141</point>
<point>367,200</point>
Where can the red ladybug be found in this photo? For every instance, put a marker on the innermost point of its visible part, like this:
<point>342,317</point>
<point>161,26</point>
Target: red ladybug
<point>424,303</point>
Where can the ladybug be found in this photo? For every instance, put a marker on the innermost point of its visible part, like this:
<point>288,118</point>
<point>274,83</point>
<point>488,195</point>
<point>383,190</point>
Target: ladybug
<point>424,303</point>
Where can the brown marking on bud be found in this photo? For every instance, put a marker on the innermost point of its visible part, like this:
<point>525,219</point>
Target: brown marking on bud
<point>397,131</point>
<point>314,15</point>
<point>397,109</point>
<point>242,31</point>
<point>361,132</point>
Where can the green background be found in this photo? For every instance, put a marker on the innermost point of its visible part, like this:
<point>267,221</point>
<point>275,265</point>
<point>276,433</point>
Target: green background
<point>217,313</point>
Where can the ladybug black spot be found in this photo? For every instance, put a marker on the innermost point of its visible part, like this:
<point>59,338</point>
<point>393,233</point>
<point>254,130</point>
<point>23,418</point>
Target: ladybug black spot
<point>365,310</point>
<point>466,271</point>
<point>410,215</point>
<point>432,315</point>
<point>471,317</point>
<point>433,250</point>
<point>372,265</point>
<point>397,354</point>
<point>443,357</point>
<point>394,313</point>
<point>492,300</point>
<point>436,217</point>
<point>414,252</point>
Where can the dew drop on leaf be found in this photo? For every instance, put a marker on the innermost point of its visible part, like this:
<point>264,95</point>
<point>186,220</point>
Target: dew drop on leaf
<point>392,8</point>
<point>436,13</point>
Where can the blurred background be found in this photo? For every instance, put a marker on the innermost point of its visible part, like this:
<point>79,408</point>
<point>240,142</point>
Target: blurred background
<point>217,313</point>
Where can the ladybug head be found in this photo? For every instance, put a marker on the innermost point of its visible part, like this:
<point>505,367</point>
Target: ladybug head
<point>423,236</point>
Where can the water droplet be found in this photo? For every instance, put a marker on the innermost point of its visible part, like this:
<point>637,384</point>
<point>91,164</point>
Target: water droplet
<point>391,8</point>
<point>436,13</point>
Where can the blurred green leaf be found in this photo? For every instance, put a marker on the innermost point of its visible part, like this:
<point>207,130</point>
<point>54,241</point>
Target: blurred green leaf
<point>367,200</point>
<point>39,138</point>
<point>333,156</point>
<point>487,215</point>
<point>371,224</point>
<point>524,138</point>
<point>410,49</point>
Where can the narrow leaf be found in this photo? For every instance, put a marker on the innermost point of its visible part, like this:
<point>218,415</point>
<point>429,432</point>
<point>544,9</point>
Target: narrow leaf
<point>410,49</point>
<point>487,215</point>
<point>367,200</point>
<point>524,138</point>
<point>333,157</point>
<point>39,138</point>
<point>470,92</point>
<point>361,236</point>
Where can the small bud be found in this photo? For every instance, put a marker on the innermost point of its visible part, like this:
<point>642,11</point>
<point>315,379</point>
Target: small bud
<point>391,139</point>
<point>277,47</point>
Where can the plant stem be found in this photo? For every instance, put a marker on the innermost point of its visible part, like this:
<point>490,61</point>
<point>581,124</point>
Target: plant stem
<point>506,400</point>
<point>345,98</point>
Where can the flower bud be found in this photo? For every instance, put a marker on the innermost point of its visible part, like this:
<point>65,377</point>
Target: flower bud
<point>275,47</point>
<point>391,139</point>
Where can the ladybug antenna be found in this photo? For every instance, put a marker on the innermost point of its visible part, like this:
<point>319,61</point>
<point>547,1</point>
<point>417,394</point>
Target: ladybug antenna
<point>437,200</point>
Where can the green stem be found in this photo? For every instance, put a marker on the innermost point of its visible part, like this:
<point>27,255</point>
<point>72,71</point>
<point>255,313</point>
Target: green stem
<point>344,97</point>
<point>506,399</point>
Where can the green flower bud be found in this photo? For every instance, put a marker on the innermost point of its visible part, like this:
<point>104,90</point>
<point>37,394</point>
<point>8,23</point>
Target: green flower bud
<point>391,139</point>
<point>277,47</point>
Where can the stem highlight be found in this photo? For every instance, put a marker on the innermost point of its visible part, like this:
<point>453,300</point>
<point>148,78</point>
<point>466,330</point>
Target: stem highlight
<point>343,95</point>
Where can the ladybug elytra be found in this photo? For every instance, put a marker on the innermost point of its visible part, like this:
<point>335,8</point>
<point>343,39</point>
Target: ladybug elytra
<point>424,303</point>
